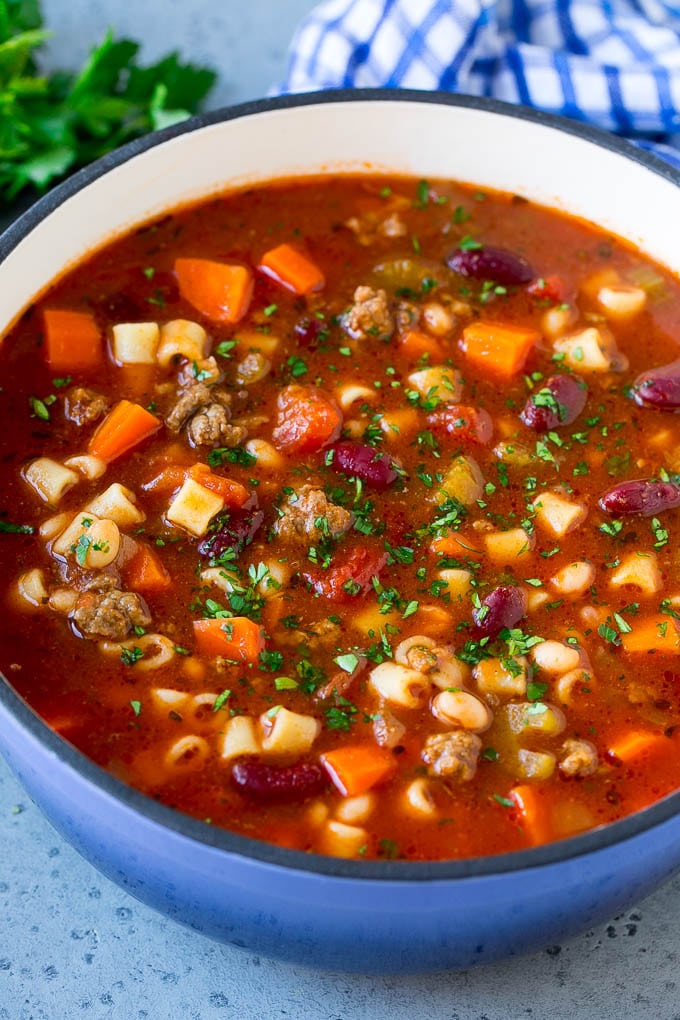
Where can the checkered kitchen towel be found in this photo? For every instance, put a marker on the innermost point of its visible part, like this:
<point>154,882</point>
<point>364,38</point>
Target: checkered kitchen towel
<point>612,63</point>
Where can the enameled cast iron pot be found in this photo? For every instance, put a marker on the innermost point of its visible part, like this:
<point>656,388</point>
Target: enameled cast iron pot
<point>336,914</point>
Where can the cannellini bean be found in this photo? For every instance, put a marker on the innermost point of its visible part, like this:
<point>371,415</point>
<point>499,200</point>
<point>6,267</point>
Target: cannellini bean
<point>267,456</point>
<point>340,840</point>
<point>86,465</point>
<point>31,587</point>
<point>437,318</point>
<point>419,800</point>
<point>555,322</point>
<point>354,810</point>
<point>400,685</point>
<point>535,765</point>
<point>187,754</point>
<point>639,570</point>
<point>103,538</point>
<point>574,579</point>
<point>568,686</point>
<point>462,710</point>
<point>555,657</point>
<point>62,600</point>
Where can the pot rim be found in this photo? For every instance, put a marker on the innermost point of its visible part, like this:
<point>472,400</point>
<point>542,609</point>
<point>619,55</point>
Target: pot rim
<point>222,839</point>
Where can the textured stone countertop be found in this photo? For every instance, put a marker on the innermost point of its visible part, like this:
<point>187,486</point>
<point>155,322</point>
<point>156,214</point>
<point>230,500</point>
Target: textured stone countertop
<point>74,945</point>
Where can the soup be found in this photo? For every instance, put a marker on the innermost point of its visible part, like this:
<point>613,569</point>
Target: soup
<point>340,514</point>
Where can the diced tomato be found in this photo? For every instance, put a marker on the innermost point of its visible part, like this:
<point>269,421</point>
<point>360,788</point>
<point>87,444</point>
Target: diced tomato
<point>307,420</point>
<point>348,579</point>
<point>548,288</point>
<point>467,425</point>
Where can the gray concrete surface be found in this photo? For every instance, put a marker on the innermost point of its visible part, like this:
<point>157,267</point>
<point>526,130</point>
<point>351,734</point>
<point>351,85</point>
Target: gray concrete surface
<point>74,945</point>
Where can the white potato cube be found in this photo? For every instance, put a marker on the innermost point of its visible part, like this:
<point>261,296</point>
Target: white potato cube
<point>558,515</point>
<point>457,581</point>
<point>135,343</point>
<point>118,504</point>
<point>240,738</point>
<point>50,479</point>
<point>591,350</point>
<point>640,570</point>
<point>505,547</point>
<point>462,481</point>
<point>287,732</point>
<point>496,680</point>
<point>194,507</point>
<point>441,382</point>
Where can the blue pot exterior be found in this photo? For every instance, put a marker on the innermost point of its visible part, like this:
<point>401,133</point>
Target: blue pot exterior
<point>362,924</point>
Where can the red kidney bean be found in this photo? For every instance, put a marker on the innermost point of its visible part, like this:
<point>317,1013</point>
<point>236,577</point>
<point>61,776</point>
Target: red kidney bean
<point>503,607</point>
<point>489,263</point>
<point>466,425</point>
<point>361,461</point>
<point>278,782</point>
<point>559,401</point>
<point>659,388</point>
<point>235,534</point>
<point>642,496</point>
<point>310,332</point>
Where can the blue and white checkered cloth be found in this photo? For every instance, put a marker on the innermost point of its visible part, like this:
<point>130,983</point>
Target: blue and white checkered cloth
<point>611,63</point>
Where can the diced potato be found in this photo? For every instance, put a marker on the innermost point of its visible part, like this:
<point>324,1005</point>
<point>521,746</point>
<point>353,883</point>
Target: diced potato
<point>136,343</point>
<point>399,425</point>
<point>535,765</point>
<point>463,481</point>
<point>182,337</point>
<point>496,680</point>
<point>287,732</point>
<point>457,581</point>
<point>353,810</point>
<point>240,737</point>
<point>419,799</point>
<point>194,507</point>
<point>558,515</point>
<point>555,657</point>
<point>536,717</point>
<point>50,479</point>
<point>506,547</point>
<point>556,322</point>
<point>514,453</point>
<point>370,621</point>
<point>621,301</point>
<point>340,840</point>
<point>89,467</point>
<point>249,340</point>
<point>639,570</point>
<point>443,383</point>
<point>574,580</point>
<point>31,587</point>
<point>591,350</point>
<point>118,504</point>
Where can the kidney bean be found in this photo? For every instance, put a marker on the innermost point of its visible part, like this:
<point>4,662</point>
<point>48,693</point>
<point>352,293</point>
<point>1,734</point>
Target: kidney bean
<point>642,496</point>
<point>489,263</point>
<point>466,425</point>
<point>362,461</point>
<point>235,534</point>
<point>559,401</point>
<point>310,332</point>
<point>503,607</point>
<point>278,782</point>
<point>659,388</point>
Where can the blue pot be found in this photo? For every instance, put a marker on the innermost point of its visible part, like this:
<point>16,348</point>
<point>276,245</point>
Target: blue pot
<point>362,916</point>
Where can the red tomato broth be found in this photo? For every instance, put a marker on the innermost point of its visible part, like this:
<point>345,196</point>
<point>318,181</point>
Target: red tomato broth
<point>106,707</point>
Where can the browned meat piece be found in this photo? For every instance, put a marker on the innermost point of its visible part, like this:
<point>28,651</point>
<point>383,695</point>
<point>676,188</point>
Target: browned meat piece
<point>303,509</point>
<point>83,406</point>
<point>387,729</point>
<point>580,758</point>
<point>369,316</point>
<point>110,614</point>
<point>318,635</point>
<point>407,316</point>
<point>196,396</point>
<point>368,228</point>
<point>452,755</point>
<point>210,427</point>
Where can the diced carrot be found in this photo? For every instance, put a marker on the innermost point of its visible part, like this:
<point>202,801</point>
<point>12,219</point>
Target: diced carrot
<point>455,544</point>
<point>221,291</point>
<point>357,768</point>
<point>125,426</point>
<point>145,572</point>
<point>639,744</point>
<point>237,638</point>
<point>233,493</point>
<point>307,420</point>
<point>650,635</point>
<point>415,344</point>
<point>497,348</point>
<point>293,269</point>
<point>535,808</point>
<point>73,342</point>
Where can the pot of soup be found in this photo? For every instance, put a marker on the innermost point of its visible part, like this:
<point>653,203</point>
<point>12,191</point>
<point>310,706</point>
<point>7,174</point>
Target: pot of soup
<point>339,493</point>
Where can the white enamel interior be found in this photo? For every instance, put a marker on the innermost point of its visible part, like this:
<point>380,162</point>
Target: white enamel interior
<point>391,135</point>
